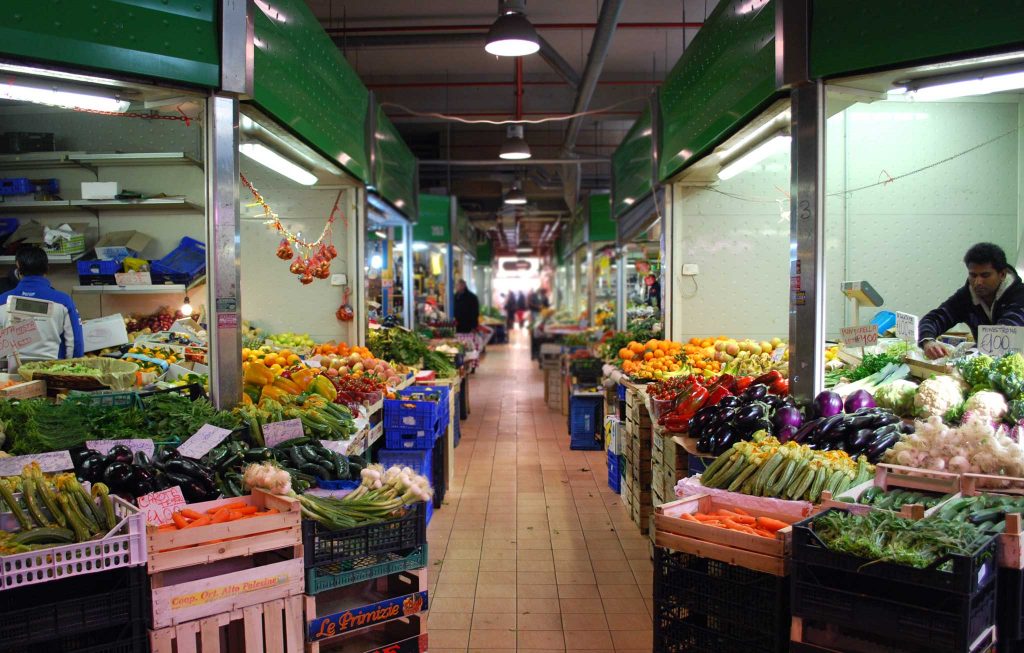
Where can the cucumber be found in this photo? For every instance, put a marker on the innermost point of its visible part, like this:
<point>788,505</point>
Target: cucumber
<point>47,535</point>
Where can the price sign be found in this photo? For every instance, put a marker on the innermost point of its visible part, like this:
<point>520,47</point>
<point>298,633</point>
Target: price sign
<point>906,327</point>
<point>52,461</point>
<point>104,446</point>
<point>202,441</point>
<point>337,446</point>
<point>997,339</point>
<point>159,506</point>
<point>133,279</point>
<point>859,336</point>
<point>275,433</point>
<point>18,336</point>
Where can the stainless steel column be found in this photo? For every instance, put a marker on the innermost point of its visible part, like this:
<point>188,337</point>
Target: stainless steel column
<point>620,289</point>
<point>670,322</point>
<point>408,287</point>
<point>807,235</point>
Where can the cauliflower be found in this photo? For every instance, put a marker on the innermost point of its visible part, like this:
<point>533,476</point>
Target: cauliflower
<point>937,395</point>
<point>975,369</point>
<point>987,404</point>
<point>898,397</point>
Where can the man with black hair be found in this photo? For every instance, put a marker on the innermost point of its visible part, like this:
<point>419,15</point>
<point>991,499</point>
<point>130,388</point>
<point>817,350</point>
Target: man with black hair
<point>993,294</point>
<point>60,328</point>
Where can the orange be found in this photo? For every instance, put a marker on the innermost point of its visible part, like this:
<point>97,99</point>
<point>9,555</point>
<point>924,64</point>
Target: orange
<point>648,356</point>
<point>636,347</point>
<point>625,353</point>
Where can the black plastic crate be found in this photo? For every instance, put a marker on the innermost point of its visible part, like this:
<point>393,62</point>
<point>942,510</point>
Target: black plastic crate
<point>706,605</point>
<point>437,477</point>
<point>1010,607</point>
<point>323,546</point>
<point>586,370</point>
<point>962,574</point>
<point>79,605</point>
<point>818,636</point>
<point>130,638</point>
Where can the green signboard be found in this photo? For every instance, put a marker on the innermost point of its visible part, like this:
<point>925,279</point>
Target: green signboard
<point>485,253</point>
<point>633,165</point>
<point>434,220</point>
<point>303,82</point>
<point>172,40</point>
<point>395,172</point>
<point>599,214</point>
<point>722,80</point>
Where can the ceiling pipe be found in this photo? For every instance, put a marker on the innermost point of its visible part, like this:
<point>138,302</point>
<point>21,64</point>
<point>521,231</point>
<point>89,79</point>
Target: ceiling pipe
<point>519,88</point>
<point>383,29</point>
<point>606,24</point>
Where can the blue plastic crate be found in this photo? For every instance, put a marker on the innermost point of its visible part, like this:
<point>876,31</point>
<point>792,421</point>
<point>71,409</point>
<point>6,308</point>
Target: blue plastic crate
<point>189,257</point>
<point>458,432</point>
<point>16,186</point>
<point>622,392</point>
<point>412,414</point>
<point>418,459</point>
<point>430,511</point>
<point>403,438</point>
<point>585,442</point>
<point>99,266</point>
<point>586,415</point>
<point>614,476</point>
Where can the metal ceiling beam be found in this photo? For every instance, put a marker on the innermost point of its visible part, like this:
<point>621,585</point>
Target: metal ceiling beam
<point>558,63</point>
<point>512,164</point>
<point>379,29</point>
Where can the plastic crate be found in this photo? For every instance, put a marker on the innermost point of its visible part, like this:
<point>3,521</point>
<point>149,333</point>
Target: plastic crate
<point>410,414</point>
<point>130,638</point>
<point>124,546</point>
<point>111,399</point>
<point>621,392</point>
<point>397,438</point>
<point>329,577</point>
<point>704,605</point>
<point>98,267</point>
<point>438,478</point>
<point>586,370</point>
<point>417,459</point>
<point>1010,606</point>
<point>16,186</point>
<point>457,431</point>
<point>324,547</point>
<point>32,614</point>
<point>614,473</point>
<point>697,464</point>
<point>968,573</point>
<point>164,278</point>
<point>189,257</point>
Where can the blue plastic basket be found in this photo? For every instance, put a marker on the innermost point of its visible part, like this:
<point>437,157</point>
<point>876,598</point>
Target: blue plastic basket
<point>622,393</point>
<point>418,459</point>
<point>585,415</point>
<point>614,477</point>
<point>99,266</point>
<point>401,438</point>
<point>16,186</point>
<point>189,257</point>
<point>413,414</point>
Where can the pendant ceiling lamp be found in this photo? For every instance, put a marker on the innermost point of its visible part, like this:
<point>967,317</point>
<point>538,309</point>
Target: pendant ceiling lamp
<point>512,35</point>
<point>515,148</point>
<point>516,196</point>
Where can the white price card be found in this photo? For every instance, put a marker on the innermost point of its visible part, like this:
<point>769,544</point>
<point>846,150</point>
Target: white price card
<point>159,506</point>
<point>337,446</point>
<point>859,336</point>
<point>144,445</point>
<point>18,336</point>
<point>998,339</point>
<point>133,279</point>
<point>202,441</point>
<point>906,327</point>
<point>51,461</point>
<point>275,433</point>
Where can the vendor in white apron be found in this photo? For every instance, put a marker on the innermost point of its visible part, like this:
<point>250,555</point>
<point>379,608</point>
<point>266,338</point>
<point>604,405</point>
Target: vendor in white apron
<point>54,313</point>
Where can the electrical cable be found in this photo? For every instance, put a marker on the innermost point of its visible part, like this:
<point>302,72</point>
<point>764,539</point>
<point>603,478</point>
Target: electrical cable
<point>535,121</point>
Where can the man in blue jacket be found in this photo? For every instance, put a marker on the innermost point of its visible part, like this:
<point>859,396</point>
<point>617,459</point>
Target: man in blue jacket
<point>993,294</point>
<point>61,328</point>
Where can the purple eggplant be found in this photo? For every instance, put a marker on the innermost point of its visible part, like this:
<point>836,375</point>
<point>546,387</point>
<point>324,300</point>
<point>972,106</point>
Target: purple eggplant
<point>787,416</point>
<point>827,404</point>
<point>857,400</point>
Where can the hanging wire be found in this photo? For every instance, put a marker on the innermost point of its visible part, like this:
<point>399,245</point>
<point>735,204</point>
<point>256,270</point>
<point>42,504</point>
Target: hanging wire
<point>535,121</point>
<point>181,117</point>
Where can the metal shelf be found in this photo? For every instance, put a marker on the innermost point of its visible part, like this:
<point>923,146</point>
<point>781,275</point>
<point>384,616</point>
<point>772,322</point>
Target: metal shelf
<point>93,160</point>
<point>32,205</point>
<point>54,258</point>
<point>152,204</point>
<point>154,289</point>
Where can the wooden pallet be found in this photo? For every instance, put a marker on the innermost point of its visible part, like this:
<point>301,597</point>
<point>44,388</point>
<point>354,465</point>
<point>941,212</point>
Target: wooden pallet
<point>271,627</point>
<point>835,638</point>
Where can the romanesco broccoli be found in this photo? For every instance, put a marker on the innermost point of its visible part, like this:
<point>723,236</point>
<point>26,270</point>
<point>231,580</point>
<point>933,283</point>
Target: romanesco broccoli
<point>975,369</point>
<point>1010,364</point>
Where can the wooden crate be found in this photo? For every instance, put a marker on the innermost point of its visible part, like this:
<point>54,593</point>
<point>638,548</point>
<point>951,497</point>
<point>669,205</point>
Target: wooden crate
<point>23,390</point>
<point>893,477</point>
<point>750,551</point>
<point>270,627</point>
<point>1011,540</point>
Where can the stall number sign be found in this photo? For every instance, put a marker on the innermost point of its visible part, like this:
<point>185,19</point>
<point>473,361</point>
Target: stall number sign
<point>52,461</point>
<point>998,339</point>
<point>159,506</point>
<point>202,441</point>
<point>906,327</point>
<point>275,433</point>
<point>859,336</point>
<point>18,336</point>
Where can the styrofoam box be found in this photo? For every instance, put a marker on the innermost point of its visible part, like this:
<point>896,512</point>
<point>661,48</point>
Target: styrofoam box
<point>100,190</point>
<point>104,332</point>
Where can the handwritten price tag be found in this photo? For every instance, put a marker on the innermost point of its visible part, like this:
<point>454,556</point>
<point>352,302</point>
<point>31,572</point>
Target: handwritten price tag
<point>337,446</point>
<point>133,279</point>
<point>997,339</point>
<point>104,446</point>
<point>202,441</point>
<point>275,433</point>
<point>18,336</point>
<point>159,506</point>
<point>906,327</point>
<point>53,461</point>
<point>859,336</point>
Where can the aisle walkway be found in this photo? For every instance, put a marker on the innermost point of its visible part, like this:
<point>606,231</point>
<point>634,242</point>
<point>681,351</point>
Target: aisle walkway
<point>532,551</point>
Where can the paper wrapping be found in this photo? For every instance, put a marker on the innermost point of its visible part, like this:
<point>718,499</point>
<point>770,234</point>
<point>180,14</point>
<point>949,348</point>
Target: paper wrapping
<point>796,509</point>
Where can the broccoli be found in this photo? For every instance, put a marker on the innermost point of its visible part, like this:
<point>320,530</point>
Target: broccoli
<point>975,370</point>
<point>1010,364</point>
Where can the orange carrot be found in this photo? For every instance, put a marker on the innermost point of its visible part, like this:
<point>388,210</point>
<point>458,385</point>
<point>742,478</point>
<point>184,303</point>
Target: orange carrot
<point>737,527</point>
<point>764,533</point>
<point>234,514</point>
<point>741,511</point>
<point>221,515</point>
<point>736,517</point>
<point>179,520</point>
<point>273,511</point>
<point>687,517</point>
<point>769,524</point>
<point>248,510</point>
<point>702,517</point>
<point>202,521</point>
<point>188,513</point>
<point>235,505</point>
<point>167,527</point>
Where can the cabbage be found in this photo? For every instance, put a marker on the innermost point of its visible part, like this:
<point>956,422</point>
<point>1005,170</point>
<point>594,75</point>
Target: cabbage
<point>898,397</point>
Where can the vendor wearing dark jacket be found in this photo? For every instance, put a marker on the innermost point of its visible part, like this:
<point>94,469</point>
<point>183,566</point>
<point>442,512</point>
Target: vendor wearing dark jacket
<point>466,310</point>
<point>993,294</point>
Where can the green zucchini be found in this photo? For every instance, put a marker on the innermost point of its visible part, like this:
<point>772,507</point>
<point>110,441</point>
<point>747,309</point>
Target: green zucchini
<point>49,535</point>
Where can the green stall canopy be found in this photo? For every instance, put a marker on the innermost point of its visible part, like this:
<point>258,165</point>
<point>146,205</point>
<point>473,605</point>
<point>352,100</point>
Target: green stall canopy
<point>173,40</point>
<point>434,221</point>
<point>599,218</point>
<point>724,78</point>
<point>633,165</point>
<point>395,174</point>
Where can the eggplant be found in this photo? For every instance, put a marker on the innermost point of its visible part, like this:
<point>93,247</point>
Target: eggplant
<point>755,392</point>
<point>827,404</point>
<point>751,413</point>
<point>858,399</point>
<point>160,481</point>
<point>880,445</point>
<point>826,426</point>
<point>787,416</point>
<point>91,469</point>
<point>725,441</point>
<point>732,401</point>
<point>190,489</point>
<point>704,444</point>
<point>78,454</point>
<point>862,421</point>
<point>859,439</point>
<point>142,460</point>
<point>906,428</point>
<point>786,433</point>
<point>116,475</point>
<point>806,429</point>
<point>774,402</point>
<point>120,453</point>
<point>748,429</point>
<point>886,420</point>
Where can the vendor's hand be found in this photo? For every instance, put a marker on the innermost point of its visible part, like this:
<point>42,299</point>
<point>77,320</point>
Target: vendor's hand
<point>933,350</point>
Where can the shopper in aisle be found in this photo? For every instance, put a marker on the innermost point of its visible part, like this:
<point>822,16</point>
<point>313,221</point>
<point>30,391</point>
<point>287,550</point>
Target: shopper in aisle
<point>60,328</point>
<point>510,311</point>
<point>466,309</point>
<point>993,294</point>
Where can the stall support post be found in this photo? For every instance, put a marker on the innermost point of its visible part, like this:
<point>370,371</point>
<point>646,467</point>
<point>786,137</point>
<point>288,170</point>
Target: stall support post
<point>409,303</point>
<point>807,234</point>
<point>354,204</point>
<point>672,323</point>
<point>620,289</point>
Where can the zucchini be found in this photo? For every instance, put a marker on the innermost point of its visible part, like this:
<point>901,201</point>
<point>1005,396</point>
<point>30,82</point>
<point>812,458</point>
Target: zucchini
<point>8,497</point>
<point>28,493</point>
<point>67,504</point>
<point>47,535</point>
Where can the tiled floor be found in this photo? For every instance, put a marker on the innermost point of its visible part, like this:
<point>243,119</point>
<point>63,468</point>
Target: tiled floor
<point>532,551</point>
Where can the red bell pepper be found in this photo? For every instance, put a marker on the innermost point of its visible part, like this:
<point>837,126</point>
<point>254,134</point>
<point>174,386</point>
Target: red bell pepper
<point>716,395</point>
<point>742,383</point>
<point>780,387</point>
<point>768,378</point>
<point>689,406</point>
<point>724,381</point>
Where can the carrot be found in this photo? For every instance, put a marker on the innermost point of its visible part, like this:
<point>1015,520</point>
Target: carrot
<point>188,513</point>
<point>730,524</point>
<point>234,515</point>
<point>688,517</point>
<point>202,521</point>
<point>179,520</point>
<point>273,511</point>
<point>248,510</point>
<point>234,505</point>
<point>769,524</point>
<point>739,519</point>
<point>221,515</point>
<point>702,517</point>
<point>167,527</point>
<point>741,511</point>
<point>764,533</point>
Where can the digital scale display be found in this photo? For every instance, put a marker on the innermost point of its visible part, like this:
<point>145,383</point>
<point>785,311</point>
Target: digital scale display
<point>29,306</point>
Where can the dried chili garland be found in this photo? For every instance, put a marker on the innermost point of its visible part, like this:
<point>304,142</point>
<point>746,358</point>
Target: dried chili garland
<point>313,259</point>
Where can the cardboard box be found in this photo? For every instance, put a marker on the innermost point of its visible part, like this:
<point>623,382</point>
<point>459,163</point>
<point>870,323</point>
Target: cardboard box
<point>121,244</point>
<point>104,332</point>
<point>100,190</point>
<point>30,232</point>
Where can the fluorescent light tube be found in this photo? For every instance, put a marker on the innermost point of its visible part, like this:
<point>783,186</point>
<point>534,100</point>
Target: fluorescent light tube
<point>64,99</point>
<point>982,85</point>
<point>264,155</point>
<point>419,247</point>
<point>773,145</point>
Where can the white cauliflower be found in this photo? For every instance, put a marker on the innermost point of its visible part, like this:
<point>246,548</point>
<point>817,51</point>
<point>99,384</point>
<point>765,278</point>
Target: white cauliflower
<point>987,404</point>
<point>937,395</point>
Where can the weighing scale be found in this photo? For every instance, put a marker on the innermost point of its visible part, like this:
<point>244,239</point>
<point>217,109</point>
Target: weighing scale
<point>22,309</point>
<point>860,293</point>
